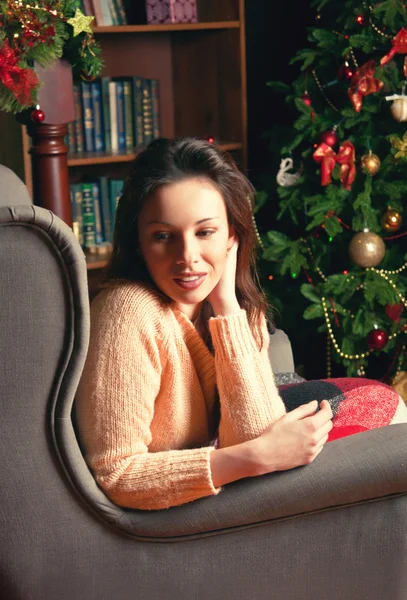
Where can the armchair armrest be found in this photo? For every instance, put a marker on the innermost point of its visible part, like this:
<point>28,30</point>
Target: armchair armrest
<point>353,470</point>
<point>280,353</point>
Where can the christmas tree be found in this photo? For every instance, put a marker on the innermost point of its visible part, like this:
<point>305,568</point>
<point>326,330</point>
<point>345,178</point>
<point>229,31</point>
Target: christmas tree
<point>339,243</point>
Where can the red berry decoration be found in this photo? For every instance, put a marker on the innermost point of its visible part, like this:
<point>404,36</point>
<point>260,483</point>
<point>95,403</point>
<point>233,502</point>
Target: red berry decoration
<point>37,116</point>
<point>377,339</point>
<point>345,72</point>
<point>306,98</point>
<point>329,137</point>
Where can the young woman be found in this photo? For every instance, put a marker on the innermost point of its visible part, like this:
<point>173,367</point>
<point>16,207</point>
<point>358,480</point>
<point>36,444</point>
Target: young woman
<point>178,355</point>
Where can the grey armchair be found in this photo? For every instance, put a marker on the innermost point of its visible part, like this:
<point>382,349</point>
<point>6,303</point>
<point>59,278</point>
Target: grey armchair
<point>336,529</point>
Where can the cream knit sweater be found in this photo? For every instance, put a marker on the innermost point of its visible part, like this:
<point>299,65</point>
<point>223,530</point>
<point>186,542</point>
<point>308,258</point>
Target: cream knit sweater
<point>145,400</point>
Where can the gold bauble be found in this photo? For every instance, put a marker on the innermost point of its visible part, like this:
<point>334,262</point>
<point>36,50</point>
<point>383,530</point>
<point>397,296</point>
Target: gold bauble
<point>391,220</point>
<point>370,163</point>
<point>367,249</point>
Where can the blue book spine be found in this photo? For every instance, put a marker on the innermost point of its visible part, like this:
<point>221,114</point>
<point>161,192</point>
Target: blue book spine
<point>121,132</point>
<point>98,116</point>
<point>88,216</point>
<point>106,208</point>
<point>98,213</point>
<point>88,117</point>
<point>79,136</point>
<point>106,113</point>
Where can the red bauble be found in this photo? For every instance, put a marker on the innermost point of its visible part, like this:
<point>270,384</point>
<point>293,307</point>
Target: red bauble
<point>37,116</point>
<point>393,311</point>
<point>329,137</point>
<point>377,339</point>
<point>306,99</point>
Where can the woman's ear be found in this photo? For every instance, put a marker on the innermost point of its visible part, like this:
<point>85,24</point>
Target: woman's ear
<point>232,236</point>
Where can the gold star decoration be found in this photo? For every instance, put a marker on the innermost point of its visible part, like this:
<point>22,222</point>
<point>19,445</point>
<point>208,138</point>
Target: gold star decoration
<point>399,144</point>
<point>80,23</point>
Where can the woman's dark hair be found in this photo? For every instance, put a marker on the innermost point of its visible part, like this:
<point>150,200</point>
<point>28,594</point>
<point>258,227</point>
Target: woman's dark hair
<point>165,162</point>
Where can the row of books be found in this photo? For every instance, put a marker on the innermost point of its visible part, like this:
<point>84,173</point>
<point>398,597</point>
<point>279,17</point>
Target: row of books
<point>93,210</point>
<point>115,114</point>
<point>106,12</point>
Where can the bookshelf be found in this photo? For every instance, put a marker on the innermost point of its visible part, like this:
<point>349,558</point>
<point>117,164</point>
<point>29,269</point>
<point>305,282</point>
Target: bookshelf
<point>201,68</point>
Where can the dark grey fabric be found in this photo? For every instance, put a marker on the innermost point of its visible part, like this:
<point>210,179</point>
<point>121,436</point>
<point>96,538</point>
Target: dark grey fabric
<point>336,529</point>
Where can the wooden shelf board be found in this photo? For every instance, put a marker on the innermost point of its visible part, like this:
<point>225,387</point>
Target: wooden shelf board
<point>99,158</point>
<point>167,28</point>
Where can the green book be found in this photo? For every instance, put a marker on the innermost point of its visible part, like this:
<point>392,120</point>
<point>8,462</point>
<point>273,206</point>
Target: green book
<point>88,216</point>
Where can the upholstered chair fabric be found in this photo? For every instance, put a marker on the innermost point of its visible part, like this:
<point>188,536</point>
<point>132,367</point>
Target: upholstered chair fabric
<point>335,529</point>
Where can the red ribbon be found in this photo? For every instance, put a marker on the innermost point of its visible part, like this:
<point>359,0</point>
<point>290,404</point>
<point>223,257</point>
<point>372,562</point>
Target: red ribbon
<point>21,82</point>
<point>399,46</point>
<point>363,83</point>
<point>346,158</point>
<point>328,159</point>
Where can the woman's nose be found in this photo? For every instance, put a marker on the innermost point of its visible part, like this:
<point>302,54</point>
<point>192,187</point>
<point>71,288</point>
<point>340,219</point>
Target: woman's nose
<point>188,251</point>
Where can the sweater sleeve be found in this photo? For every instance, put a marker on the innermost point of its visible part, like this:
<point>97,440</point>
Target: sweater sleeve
<point>115,408</point>
<point>249,399</point>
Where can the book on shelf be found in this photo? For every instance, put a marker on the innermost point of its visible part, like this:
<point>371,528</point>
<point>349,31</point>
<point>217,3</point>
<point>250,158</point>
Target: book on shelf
<point>138,110</point>
<point>88,118</point>
<point>79,145</point>
<point>115,114</point>
<point>128,115</point>
<point>99,137</point>
<point>106,12</point>
<point>88,216</point>
<point>121,135</point>
<point>93,210</point>
<point>147,112</point>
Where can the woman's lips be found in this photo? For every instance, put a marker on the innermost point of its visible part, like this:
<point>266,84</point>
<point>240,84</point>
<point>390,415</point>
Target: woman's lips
<point>190,282</point>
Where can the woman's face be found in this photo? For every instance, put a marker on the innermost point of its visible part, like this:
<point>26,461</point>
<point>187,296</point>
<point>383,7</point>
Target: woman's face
<point>184,236</point>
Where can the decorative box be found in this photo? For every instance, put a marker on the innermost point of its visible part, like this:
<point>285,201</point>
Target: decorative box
<point>171,11</point>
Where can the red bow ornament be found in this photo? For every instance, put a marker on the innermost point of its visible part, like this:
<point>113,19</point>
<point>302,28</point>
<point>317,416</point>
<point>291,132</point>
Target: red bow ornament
<point>399,43</point>
<point>21,82</point>
<point>328,159</point>
<point>363,83</point>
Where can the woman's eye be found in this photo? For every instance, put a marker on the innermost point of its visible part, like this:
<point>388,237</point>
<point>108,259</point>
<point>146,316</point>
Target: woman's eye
<point>162,236</point>
<point>206,233</point>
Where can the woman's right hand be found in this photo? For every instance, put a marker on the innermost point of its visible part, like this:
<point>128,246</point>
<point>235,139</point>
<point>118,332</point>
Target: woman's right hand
<point>293,440</point>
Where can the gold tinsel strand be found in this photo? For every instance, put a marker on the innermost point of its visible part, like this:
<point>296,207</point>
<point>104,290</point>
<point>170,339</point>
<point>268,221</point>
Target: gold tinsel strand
<point>321,89</point>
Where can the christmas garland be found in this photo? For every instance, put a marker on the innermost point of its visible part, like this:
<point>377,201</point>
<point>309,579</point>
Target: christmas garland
<point>41,31</point>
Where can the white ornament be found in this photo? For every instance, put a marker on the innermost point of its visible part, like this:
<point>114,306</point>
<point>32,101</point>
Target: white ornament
<point>284,178</point>
<point>399,106</point>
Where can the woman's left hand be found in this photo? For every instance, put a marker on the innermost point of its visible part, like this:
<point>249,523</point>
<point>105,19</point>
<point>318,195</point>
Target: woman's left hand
<point>223,296</point>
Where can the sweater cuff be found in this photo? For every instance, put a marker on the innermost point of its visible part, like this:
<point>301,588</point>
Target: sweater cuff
<point>232,336</point>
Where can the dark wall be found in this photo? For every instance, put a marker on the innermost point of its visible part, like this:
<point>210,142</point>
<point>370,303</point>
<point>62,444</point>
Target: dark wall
<point>275,30</point>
